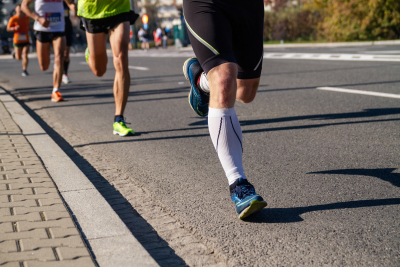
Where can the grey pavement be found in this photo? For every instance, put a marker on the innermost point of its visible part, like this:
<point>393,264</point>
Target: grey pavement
<point>326,161</point>
<point>40,187</point>
<point>36,228</point>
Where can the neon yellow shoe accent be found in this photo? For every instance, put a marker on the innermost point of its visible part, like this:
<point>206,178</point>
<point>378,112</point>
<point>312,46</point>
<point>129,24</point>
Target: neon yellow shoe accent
<point>87,54</point>
<point>255,206</point>
<point>121,129</point>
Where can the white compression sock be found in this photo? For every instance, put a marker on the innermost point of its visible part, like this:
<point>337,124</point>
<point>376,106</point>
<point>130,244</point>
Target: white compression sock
<point>204,83</point>
<point>226,135</point>
<point>55,90</point>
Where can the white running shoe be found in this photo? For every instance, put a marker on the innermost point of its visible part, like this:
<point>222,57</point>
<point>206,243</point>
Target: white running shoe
<point>65,79</point>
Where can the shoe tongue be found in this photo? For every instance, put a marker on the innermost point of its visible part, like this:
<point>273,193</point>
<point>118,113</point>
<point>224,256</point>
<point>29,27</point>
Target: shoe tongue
<point>119,119</point>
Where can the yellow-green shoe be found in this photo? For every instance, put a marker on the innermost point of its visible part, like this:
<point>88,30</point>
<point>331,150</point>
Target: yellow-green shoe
<point>87,54</point>
<point>121,129</point>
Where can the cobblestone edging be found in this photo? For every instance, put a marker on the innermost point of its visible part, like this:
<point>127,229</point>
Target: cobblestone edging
<point>160,233</point>
<point>36,228</point>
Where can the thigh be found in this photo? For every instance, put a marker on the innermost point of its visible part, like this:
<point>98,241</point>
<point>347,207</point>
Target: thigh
<point>210,33</point>
<point>59,45</point>
<point>25,50</point>
<point>97,44</point>
<point>119,39</point>
<point>18,52</point>
<point>43,54</point>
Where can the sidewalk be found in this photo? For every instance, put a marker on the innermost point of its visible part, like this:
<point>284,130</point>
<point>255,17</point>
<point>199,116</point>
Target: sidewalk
<point>35,225</point>
<point>37,184</point>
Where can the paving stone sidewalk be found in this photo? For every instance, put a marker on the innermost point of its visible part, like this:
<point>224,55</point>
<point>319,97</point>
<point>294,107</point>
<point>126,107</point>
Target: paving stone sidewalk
<point>36,228</point>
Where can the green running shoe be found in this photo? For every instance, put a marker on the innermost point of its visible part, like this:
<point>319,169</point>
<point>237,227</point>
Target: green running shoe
<point>121,129</point>
<point>87,54</point>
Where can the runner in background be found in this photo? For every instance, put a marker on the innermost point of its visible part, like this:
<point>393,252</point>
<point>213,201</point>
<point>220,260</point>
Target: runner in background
<point>103,19</point>
<point>19,24</point>
<point>68,36</point>
<point>49,30</point>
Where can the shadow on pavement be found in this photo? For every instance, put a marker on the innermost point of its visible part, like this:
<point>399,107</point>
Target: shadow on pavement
<point>291,215</point>
<point>203,122</point>
<point>157,247</point>
<point>385,174</point>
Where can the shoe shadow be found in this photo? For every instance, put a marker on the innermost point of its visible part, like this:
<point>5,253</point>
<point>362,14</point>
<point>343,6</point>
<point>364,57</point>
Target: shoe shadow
<point>291,215</point>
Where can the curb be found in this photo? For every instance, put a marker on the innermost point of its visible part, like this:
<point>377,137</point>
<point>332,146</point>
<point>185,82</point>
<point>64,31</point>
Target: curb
<point>109,238</point>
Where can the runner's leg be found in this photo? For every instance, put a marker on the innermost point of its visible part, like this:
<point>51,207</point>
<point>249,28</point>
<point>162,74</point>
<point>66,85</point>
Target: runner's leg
<point>97,52</point>
<point>25,59</point>
<point>66,59</point>
<point>247,89</point>
<point>43,54</point>
<point>119,40</point>
<point>18,53</point>
<point>58,47</point>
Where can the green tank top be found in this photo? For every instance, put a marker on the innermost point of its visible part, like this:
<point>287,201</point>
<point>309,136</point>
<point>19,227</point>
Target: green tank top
<point>98,9</point>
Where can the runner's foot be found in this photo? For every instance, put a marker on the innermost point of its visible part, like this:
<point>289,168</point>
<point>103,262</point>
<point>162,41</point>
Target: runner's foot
<point>121,129</point>
<point>198,99</point>
<point>24,73</point>
<point>65,79</point>
<point>246,200</point>
<point>56,97</point>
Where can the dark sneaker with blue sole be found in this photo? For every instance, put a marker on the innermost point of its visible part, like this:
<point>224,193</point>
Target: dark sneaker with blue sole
<point>246,200</point>
<point>198,99</point>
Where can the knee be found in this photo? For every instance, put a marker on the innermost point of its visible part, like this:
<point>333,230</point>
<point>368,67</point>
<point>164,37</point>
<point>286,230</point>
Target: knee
<point>44,67</point>
<point>58,59</point>
<point>225,82</point>
<point>121,62</point>
<point>99,72</point>
<point>247,92</point>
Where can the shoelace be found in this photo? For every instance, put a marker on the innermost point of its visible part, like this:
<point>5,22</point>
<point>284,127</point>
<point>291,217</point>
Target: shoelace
<point>244,190</point>
<point>124,122</point>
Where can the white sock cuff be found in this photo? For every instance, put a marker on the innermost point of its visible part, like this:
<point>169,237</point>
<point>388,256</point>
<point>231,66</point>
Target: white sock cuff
<point>218,113</point>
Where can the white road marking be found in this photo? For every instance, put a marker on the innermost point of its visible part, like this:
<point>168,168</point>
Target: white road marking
<point>346,57</point>
<point>131,67</point>
<point>381,52</point>
<point>361,92</point>
<point>181,82</point>
<point>138,68</point>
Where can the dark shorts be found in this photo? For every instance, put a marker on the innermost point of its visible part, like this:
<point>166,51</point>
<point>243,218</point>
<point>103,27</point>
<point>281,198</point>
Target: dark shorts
<point>227,31</point>
<point>106,24</point>
<point>22,45</point>
<point>68,31</point>
<point>48,37</point>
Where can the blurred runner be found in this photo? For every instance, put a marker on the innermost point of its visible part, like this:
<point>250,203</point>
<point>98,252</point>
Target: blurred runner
<point>49,30</point>
<point>68,36</point>
<point>102,18</point>
<point>19,24</point>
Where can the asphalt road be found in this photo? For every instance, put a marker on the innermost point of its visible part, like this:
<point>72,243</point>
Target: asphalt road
<point>326,162</point>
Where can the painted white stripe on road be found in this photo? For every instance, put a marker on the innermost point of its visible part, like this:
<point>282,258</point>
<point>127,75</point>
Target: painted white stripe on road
<point>361,92</point>
<point>138,68</point>
<point>130,67</point>
<point>346,57</point>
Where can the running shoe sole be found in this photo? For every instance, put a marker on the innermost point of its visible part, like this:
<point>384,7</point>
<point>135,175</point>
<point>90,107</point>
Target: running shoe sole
<point>184,68</point>
<point>255,206</point>
<point>120,134</point>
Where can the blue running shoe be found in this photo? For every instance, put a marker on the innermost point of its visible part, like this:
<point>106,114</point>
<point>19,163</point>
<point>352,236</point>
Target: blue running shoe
<point>246,200</point>
<point>198,99</point>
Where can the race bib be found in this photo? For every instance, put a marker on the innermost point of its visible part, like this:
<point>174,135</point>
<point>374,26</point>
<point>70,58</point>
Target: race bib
<point>22,37</point>
<point>55,18</point>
